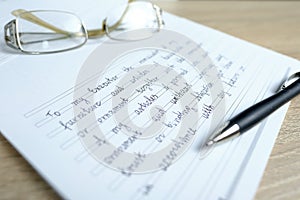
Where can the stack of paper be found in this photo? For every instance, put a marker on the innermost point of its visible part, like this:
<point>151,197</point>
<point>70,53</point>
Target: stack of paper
<point>39,105</point>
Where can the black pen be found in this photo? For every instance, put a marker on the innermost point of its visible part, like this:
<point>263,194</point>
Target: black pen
<point>251,116</point>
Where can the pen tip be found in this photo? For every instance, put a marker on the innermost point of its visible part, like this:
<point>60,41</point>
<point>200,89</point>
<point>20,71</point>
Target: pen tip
<point>210,142</point>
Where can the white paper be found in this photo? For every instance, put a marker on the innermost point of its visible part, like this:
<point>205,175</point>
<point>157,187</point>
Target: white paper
<point>33,86</point>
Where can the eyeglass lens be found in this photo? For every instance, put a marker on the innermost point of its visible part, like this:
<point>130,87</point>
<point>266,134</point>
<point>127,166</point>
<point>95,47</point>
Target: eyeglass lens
<point>59,31</point>
<point>139,16</point>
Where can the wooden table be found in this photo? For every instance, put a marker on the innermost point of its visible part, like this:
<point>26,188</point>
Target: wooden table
<point>275,25</point>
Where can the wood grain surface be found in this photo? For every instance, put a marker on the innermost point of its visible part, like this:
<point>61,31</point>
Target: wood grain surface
<point>275,25</point>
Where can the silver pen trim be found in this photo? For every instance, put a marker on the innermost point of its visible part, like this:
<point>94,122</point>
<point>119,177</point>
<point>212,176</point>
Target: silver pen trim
<point>226,133</point>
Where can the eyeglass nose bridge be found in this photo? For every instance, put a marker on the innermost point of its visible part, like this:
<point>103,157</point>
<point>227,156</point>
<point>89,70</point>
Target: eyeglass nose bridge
<point>10,35</point>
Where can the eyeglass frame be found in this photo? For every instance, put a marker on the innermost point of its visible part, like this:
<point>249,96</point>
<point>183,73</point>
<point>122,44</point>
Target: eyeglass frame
<point>12,39</point>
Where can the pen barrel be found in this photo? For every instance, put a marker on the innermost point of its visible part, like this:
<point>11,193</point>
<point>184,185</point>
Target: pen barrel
<point>251,116</point>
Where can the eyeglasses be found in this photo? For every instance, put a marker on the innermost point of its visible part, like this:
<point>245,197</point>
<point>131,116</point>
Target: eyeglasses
<point>50,31</point>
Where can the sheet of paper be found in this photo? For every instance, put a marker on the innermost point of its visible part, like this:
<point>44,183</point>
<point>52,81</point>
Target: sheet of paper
<point>38,118</point>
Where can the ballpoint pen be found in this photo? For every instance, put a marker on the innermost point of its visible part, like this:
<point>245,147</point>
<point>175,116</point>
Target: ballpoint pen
<point>254,114</point>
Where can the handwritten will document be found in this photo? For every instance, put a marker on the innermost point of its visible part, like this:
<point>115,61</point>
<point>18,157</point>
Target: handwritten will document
<point>129,120</point>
